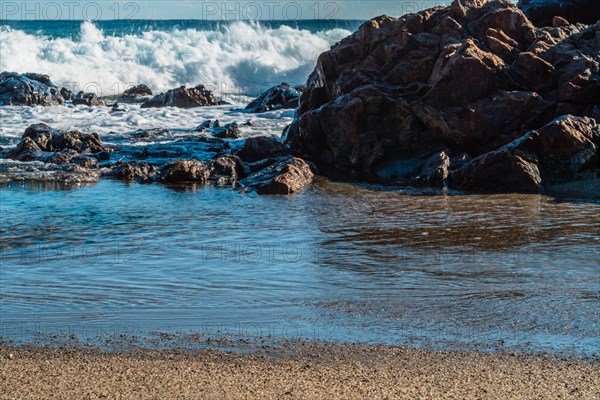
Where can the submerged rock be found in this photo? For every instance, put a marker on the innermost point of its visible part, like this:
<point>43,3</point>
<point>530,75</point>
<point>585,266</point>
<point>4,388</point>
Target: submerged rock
<point>286,176</point>
<point>28,89</point>
<point>183,97</point>
<point>542,12</point>
<point>88,99</point>
<point>466,80</point>
<point>278,97</point>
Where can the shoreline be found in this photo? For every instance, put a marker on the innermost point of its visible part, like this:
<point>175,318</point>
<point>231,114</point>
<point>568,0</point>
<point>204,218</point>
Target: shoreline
<point>302,370</point>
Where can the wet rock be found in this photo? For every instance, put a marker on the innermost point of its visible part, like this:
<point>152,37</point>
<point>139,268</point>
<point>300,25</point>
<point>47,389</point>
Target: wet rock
<point>85,161</point>
<point>183,97</point>
<point>67,174</point>
<point>66,94</point>
<point>542,12</point>
<point>228,131</point>
<point>565,150</point>
<point>500,171</point>
<point>286,176</point>
<point>28,89</point>
<point>278,97</point>
<point>185,171</point>
<point>203,126</point>
<point>259,148</point>
<point>225,170</point>
<point>26,150</point>
<point>434,172</point>
<point>39,140</point>
<point>115,108</point>
<point>222,170</point>
<point>139,171</point>
<point>88,99</point>
<point>136,94</point>
<point>469,78</point>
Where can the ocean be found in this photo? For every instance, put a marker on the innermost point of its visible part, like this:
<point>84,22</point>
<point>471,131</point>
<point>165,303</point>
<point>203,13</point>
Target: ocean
<point>339,262</point>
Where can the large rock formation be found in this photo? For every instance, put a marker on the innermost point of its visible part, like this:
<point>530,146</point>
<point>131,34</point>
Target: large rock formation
<point>412,100</point>
<point>183,97</point>
<point>28,90</point>
<point>542,12</point>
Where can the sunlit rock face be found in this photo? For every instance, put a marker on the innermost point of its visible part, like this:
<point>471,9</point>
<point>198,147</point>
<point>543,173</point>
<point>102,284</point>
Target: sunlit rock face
<point>414,100</point>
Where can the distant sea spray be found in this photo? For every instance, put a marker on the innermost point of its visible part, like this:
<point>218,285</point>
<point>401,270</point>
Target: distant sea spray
<point>231,58</point>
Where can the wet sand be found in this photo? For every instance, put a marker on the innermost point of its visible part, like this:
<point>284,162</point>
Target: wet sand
<point>304,371</point>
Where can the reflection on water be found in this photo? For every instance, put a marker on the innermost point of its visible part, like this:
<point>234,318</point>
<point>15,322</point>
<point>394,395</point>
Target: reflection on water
<point>336,262</point>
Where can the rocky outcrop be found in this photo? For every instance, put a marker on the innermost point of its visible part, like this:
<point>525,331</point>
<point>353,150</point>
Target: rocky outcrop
<point>88,99</point>
<point>28,89</point>
<point>543,12</point>
<point>136,94</point>
<point>412,100</point>
<point>40,142</point>
<point>183,97</point>
<point>278,97</point>
<point>286,176</point>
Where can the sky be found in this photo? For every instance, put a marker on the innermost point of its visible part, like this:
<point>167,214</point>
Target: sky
<point>208,9</point>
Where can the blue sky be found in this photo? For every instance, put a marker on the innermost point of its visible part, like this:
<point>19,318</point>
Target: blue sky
<point>208,9</point>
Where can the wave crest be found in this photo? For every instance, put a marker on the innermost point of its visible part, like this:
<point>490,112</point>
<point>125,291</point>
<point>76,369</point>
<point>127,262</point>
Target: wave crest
<point>237,59</point>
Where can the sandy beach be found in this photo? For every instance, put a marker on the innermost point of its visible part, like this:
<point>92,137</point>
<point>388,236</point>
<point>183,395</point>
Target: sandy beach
<point>305,371</point>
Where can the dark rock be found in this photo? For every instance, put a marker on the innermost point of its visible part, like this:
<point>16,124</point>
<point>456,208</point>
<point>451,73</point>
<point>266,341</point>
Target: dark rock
<point>185,171</point>
<point>565,150</point>
<point>226,170</point>
<point>115,108</point>
<point>183,97</point>
<point>203,126</point>
<point>28,90</point>
<point>469,78</point>
<point>39,140</point>
<point>26,150</point>
<point>66,94</point>
<point>281,96</point>
<point>102,155</point>
<point>223,170</point>
<point>136,94</point>
<point>261,147</point>
<point>134,171</point>
<point>88,99</point>
<point>286,176</point>
<point>85,161</point>
<point>228,131</point>
<point>542,12</point>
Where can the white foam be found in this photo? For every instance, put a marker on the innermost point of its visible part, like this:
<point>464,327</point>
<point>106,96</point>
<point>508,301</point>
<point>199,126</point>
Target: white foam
<point>241,58</point>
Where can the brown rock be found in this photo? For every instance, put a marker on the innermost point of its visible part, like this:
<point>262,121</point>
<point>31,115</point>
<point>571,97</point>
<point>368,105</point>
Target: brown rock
<point>183,97</point>
<point>259,148</point>
<point>185,171</point>
<point>288,175</point>
<point>470,78</point>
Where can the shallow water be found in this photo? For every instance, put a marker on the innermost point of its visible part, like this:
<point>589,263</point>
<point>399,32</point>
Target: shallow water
<point>336,262</point>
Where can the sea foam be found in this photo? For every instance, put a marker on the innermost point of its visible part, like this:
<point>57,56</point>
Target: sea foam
<point>240,58</point>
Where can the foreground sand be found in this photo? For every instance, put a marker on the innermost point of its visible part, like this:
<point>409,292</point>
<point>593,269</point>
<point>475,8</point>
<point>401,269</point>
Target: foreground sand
<point>306,371</point>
